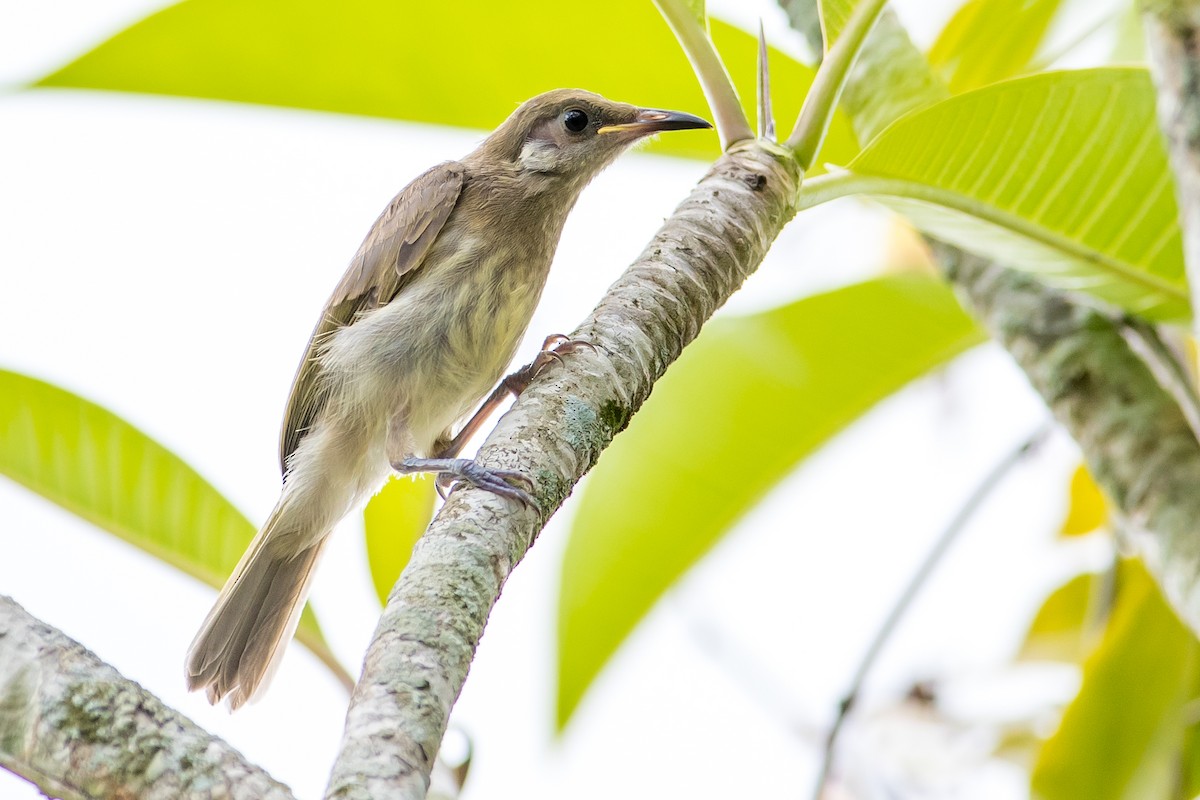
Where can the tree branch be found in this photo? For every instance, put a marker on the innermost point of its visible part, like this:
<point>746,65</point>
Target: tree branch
<point>1135,438</point>
<point>435,615</point>
<point>1173,45</point>
<point>74,727</point>
<point>1133,434</point>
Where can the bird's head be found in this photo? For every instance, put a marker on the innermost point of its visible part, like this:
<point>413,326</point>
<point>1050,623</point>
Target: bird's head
<point>574,134</point>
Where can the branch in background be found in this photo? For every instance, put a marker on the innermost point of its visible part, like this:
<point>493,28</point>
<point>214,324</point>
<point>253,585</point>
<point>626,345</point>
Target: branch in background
<point>1134,437</point>
<point>74,727</point>
<point>933,558</point>
<point>435,615</point>
<point>1173,45</point>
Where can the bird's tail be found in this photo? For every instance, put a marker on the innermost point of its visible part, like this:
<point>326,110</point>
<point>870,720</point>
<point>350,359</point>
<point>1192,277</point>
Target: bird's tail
<point>242,640</point>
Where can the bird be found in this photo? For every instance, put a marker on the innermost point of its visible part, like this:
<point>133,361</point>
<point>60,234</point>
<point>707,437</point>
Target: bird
<point>420,328</point>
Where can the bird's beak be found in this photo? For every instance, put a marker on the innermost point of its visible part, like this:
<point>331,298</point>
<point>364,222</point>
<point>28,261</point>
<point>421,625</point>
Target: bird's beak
<point>654,120</point>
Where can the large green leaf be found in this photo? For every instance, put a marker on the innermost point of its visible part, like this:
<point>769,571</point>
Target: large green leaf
<point>99,467</point>
<point>1063,174</point>
<point>745,403</point>
<point>393,521</point>
<point>465,65</point>
<point>1122,737</point>
<point>989,40</point>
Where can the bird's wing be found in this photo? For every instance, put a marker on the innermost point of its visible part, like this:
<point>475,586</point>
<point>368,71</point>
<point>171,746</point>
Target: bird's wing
<point>385,262</point>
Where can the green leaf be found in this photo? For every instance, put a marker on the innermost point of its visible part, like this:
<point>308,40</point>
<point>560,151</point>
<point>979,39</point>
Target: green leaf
<point>989,40</point>
<point>1124,731</point>
<point>393,521</point>
<point>92,463</point>
<point>404,59</point>
<point>834,16</point>
<point>1063,174</point>
<point>1064,627</point>
<point>749,400</point>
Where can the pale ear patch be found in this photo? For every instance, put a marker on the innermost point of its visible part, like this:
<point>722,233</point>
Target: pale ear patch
<point>539,155</point>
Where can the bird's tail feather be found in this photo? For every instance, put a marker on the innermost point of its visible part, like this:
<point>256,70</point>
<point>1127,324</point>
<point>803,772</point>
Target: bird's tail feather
<point>243,638</point>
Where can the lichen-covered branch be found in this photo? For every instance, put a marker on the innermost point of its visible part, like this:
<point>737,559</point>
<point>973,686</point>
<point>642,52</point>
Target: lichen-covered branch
<point>1136,440</point>
<point>1173,44</point>
<point>1133,434</point>
<point>74,727</point>
<point>435,615</point>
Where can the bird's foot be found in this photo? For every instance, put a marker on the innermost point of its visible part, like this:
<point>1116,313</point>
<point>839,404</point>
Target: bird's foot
<point>452,471</point>
<point>553,349</point>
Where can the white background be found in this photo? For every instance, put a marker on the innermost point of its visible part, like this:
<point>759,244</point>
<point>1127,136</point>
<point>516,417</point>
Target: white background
<point>166,258</point>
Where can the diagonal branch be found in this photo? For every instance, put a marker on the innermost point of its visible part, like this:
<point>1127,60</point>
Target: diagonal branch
<point>1134,435</point>
<point>74,727</point>
<point>435,615</point>
<point>1135,438</point>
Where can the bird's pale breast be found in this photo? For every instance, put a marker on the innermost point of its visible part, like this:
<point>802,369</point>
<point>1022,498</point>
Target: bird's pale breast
<point>442,344</point>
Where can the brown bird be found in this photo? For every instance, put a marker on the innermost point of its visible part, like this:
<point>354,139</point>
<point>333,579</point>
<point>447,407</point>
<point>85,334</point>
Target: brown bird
<point>418,331</point>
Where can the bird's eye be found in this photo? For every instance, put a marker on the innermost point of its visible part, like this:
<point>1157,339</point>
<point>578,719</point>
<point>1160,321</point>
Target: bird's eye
<point>575,120</point>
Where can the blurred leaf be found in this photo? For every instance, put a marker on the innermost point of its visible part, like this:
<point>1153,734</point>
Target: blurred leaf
<point>1130,47</point>
<point>100,468</point>
<point>1189,767</point>
<point>1088,510</point>
<point>989,40</point>
<point>1123,733</point>
<point>749,400</point>
<point>1063,174</point>
<point>466,65</point>
<point>393,521</point>
<point>834,16</point>
<point>1063,628</point>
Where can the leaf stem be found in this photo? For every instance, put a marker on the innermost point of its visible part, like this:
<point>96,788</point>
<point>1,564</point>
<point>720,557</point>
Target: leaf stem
<point>813,123</point>
<point>959,523</point>
<point>732,125</point>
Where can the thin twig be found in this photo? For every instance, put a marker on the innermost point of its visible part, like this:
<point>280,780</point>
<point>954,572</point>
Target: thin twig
<point>968,510</point>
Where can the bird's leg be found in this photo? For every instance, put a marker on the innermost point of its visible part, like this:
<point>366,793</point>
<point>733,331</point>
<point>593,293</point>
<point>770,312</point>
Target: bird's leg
<point>553,349</point>
<point>452,469</point>
<point>496,481</point>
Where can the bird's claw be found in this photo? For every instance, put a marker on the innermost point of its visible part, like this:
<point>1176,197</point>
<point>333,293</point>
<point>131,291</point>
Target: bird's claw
<point>496,481</point>
<point>452,471</point>
<point>554,348</point>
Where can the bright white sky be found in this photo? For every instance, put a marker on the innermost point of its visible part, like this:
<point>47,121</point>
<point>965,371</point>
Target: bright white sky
<point>166,258</point>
